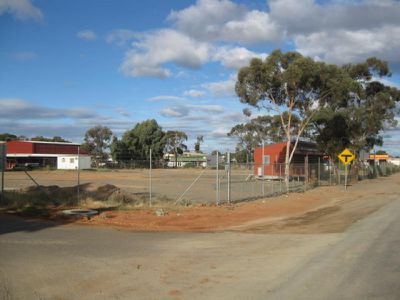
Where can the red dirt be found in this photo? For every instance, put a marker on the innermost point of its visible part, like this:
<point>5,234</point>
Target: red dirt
<point>324,209</point>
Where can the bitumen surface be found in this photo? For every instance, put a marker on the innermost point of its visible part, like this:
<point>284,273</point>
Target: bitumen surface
<point>42,260</point>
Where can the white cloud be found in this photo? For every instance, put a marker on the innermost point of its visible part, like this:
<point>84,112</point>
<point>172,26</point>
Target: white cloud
<point>87,35</point>
<point>24,56</point>
<point>224,20</point>
<point>255,27</point>
<point>185,110</point>
<point>12,109</point>
<point>164,98</point>
<point>122,111</point>
<point>120,37</point>
<point>220,132</point>
<point>174,112</point>
<point>341,31</point>
<point>343,46</point>
<point>337,31</point>
<point>204,19</point>
<point>21,9</point>
<point>224,88</point>
<point>22,117</point>
<point>155,49</point>
<point>307,16</point>
<point>235,57</point>
<point>211,109</point>
<point>193,93</point>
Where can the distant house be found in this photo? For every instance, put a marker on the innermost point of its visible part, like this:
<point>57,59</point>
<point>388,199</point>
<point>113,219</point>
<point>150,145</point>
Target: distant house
<point>274,159</point>
<point>379,158</point>
<point>395,161</point>
<point>187,159</point>
<point>31,154</point>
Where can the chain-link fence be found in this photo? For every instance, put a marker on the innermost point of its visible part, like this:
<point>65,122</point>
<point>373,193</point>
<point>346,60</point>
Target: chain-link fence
<point>139,182</point>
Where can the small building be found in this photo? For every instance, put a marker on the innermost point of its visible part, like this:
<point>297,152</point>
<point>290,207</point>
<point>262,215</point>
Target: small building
<point>395,161</point>
<point>187,159</point>
<point>38,154</point>
<point>378,158</point>
<point>274,160</point>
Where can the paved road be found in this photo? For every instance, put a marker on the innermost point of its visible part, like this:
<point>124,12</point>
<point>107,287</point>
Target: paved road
<point>43,261</point>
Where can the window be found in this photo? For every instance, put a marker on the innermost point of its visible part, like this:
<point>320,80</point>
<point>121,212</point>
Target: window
<point>266,160</point>
<point>71,160</point>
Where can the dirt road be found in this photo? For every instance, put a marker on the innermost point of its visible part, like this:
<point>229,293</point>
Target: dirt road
<point>289,256</point>
<point>322,210</point>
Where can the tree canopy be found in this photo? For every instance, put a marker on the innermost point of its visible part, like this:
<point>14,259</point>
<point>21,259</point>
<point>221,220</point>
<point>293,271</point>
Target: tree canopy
<point>174,143</point>
<point>136,143</point>
<point>340,105</point>
<point>57,139</point>
<point>97,141</point>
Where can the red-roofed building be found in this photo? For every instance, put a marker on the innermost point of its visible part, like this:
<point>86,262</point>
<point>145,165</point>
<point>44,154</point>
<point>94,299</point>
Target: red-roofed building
<point>274,159</point>
<point>46,154</point>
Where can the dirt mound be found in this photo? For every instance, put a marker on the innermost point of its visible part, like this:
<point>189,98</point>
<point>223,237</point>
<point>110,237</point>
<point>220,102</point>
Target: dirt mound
<point>55,195</point>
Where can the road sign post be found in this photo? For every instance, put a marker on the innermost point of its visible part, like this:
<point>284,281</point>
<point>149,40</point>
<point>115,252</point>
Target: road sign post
<point>346,157</point>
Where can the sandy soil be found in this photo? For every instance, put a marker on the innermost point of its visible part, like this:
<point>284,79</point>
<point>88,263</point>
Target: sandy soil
<point>166,183</point>
<point>322,210</point>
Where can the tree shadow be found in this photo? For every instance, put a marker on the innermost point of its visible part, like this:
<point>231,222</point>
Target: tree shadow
<point>12,223</point>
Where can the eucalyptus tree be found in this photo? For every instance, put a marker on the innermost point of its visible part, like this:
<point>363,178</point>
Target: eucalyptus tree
<point>357,121</point>
<point>199,140</point>
<point>292,86</point>
<point>136,143</point>
<point>97,141</point>
<point>174,143</point>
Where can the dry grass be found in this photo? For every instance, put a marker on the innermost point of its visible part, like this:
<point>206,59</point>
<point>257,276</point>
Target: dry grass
<point>91,196</point>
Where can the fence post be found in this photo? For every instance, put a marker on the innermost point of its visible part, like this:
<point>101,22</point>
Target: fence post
<point>229,177</point>
<point>305,172</point>
<point>319,171</point>
<point>3,156</point>
<point>79,175</point>
<point>280,178</point>
<point>150,182</point>
<point>263,170</point>
<point>217,179</point>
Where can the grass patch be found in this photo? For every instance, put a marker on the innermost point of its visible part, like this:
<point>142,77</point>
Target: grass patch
<point>38,200</point>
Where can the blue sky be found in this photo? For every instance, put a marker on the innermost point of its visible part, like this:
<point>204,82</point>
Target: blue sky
<point>69,65</point>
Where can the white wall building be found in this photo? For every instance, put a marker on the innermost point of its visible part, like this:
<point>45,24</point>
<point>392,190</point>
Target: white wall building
<point>70,162</point>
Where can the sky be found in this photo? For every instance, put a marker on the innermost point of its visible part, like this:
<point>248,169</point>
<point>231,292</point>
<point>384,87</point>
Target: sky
<point>67,66</point>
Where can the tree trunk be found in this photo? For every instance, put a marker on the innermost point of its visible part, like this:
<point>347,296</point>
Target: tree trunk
<point>287,169</point>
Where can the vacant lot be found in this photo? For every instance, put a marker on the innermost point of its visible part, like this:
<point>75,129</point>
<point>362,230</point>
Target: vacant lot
<point>188,185</point>
<point>321,210</point>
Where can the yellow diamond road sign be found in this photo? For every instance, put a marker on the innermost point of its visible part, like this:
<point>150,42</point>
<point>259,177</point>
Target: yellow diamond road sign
<point>346,156</point>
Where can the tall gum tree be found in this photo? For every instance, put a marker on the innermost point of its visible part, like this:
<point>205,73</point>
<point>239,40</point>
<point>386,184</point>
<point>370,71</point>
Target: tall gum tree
<point>293,87</point>
<point>358,122</point>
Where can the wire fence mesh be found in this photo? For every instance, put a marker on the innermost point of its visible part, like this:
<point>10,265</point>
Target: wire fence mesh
<point>225,182</point>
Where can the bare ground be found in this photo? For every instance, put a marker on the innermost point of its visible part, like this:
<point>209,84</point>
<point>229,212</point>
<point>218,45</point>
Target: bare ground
<point>322,210</point>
